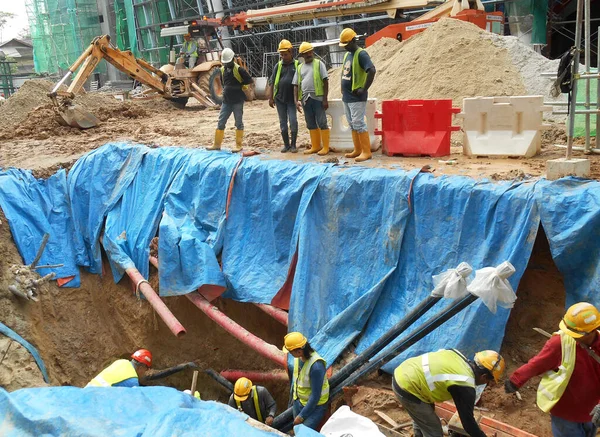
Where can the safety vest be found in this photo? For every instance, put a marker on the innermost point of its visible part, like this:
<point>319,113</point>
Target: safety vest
<point>278,75</point>
<point>301,381</point>
<point>254,395</point>
<point>236,72</point>
<point>117,372</point>
<point>316,78</point>
<point>429,376</point>
<point>553,384</point>
<point>359,76</point>
<point>187,45</point>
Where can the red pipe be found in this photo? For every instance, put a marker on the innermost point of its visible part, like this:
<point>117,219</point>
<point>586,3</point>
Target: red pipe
<point>278,314</point>
<point>256,376</point>
<point>259,345</point>
<point>159,306</point>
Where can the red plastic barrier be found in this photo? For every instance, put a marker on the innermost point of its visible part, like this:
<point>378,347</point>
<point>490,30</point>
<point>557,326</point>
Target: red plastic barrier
<point>416,127</point>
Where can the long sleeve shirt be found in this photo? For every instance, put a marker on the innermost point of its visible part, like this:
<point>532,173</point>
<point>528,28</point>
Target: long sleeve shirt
<point>316,375</point>
<point>266,403</point>
<point>464,399</point>
<point>232,88</point>
<point>583,391</point>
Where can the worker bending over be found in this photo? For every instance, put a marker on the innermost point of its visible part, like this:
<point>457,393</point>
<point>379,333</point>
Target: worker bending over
<point>311,88</point>
<point>234,78</point>
<point>310,386</point>
<point>570,386</point>
<point>281,95</point>
<point>440,376</point>
<point>189,50</point>
<point>358,73</point>
<point>254,400</point>
<point>124,373</point>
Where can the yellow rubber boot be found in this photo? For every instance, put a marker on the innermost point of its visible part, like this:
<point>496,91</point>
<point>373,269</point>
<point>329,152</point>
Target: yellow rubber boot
<point>315,141</point>
<point>219,135</point>
<point>365,144</point>
<point>357,147</point>
<point>239,139</point>
<point>325,141</point>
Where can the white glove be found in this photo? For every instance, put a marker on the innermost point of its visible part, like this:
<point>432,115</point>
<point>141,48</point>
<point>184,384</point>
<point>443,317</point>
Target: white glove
<point>595,413</point>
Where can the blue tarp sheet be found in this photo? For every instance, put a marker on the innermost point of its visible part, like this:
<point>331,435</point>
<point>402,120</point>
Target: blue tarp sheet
<point>118,412</point>
<point>365,254</point>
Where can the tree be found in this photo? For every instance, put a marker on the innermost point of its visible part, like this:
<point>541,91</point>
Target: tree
<point>24,33</point>
<point>5,17</point>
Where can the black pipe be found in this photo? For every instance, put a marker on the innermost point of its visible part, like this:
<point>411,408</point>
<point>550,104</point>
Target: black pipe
<point>220,379</point>
<point>384,340</point>
<point>171,370</point>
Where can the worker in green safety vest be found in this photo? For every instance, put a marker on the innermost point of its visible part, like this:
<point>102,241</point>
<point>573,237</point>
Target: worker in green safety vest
<point>189,50</point>
<point>124,373</point>
<point>358,73</point>
<point>440,376</point>
<point>254,400</point>
<point>310,386</point>
<point>280,93</point>
<point>311,88</point>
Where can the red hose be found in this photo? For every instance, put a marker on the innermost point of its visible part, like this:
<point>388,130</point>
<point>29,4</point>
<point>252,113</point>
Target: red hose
<point>259,345</point>
<point>278,314</point>
<point>256,376</point>
<point>159,306</point>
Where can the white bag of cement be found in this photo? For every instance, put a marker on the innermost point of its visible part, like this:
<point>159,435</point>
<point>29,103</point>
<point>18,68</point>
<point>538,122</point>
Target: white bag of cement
<point>491,286</point>
<point>452,283</point>
<point>348,424</point>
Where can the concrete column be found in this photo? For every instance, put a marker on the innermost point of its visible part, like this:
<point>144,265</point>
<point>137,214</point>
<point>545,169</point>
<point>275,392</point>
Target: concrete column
<point>336,54</point>
<point>108,27</point>
<point>217,8</point>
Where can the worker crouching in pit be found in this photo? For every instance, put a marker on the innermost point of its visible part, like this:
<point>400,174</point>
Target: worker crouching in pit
<point>310,386</point>
<point>439,376</point>
<point>124,373</point>
<point>254,400</point>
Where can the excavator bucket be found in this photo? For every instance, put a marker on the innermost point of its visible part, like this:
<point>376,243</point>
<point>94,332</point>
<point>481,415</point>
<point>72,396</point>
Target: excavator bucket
<point>76,116</point>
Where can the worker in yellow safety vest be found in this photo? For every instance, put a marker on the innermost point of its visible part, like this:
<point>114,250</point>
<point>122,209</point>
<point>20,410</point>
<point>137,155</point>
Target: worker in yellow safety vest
<point>358,73</point>
<point>311,90</point>
<point>124,373</point>
<point>254,400</point>
<point>189,50</point>
<point>569,364</point>
<point>440,376</point>
<point>310,386</point>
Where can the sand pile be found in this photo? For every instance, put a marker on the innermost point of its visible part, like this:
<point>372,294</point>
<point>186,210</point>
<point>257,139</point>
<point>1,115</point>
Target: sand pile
<point>451,59</point>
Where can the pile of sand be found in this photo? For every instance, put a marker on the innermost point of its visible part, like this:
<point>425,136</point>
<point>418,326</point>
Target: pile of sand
<point>451,59</point>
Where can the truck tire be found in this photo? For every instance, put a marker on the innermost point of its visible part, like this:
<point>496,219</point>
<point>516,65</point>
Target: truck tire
<point>214,86</point>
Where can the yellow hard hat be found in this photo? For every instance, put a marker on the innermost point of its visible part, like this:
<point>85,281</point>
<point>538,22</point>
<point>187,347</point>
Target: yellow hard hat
<point>580,319</point>
<point>492,361</point>
<point>305,47</point>
<point>293,341</point>
<point>346,36</point>
<point>242,389</point>
<point>284,46</point>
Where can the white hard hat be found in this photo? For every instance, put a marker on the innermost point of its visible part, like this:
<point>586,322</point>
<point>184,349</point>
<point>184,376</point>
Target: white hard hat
<point>227,56</point>
<point>188,392</point>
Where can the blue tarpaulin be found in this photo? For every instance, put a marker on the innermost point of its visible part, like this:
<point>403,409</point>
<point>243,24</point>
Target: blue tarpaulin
<point>367,240</point>
<point>118,412</point>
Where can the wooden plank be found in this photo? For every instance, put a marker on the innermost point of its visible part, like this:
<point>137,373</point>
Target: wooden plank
<point>387,418</point>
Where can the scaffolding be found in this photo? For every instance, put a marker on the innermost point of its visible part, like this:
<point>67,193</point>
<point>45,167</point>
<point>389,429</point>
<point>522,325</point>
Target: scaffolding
<point>61,30</point>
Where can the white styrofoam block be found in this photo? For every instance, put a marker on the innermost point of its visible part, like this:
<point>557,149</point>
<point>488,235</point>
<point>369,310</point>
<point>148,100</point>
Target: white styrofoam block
<point>559,168</point>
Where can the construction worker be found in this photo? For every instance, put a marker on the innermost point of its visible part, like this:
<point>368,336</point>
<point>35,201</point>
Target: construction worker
<point>311,88</point>
<point>254,400</point>
<point>570,385</point>
<point>189,50</point>
<point>281,95</point>
<point>439,376</point>
<point>234,78</point>
<point>310,386</point>
<point>358,73</point>
<point>124,373</point>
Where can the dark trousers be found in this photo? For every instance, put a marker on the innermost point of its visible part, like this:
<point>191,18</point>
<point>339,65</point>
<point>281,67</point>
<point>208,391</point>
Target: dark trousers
<point>314,114</point>
<point>287,111</point>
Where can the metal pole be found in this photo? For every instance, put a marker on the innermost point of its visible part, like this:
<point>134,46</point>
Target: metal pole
<point>598,89</point>
<point>575,72</point>
<point>587,71</point>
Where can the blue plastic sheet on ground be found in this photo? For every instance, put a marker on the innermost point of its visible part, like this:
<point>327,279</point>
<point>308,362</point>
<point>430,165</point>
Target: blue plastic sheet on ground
<point>30,348</point>
<point>34,207</point>
<point>122,412</point>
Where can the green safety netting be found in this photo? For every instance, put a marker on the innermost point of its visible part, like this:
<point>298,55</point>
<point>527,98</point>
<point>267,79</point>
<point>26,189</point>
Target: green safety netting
<point>538,9</point>
<point>580,118</point>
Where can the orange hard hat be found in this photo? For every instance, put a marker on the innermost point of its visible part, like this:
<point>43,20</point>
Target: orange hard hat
<point>143,356</point>
<point>580,319</point>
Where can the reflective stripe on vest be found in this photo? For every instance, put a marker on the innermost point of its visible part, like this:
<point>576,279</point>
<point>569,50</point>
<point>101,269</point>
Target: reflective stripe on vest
<point>316,79</point>
<point>553,384</point>
<point>236,73</point>
<point>302,389</point>
<point>187,45</point>
<point>117,372</point>
<point>359,76</point>
<point>278,75</point>
<point>256,405</point>
<point>429,376</point>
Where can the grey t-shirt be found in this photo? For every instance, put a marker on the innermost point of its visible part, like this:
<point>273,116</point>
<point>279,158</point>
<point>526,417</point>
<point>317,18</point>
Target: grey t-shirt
<point>308,80</point>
